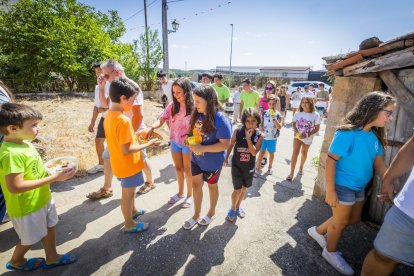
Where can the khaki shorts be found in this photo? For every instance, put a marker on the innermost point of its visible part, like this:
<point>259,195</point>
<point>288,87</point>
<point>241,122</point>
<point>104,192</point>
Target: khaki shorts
<point>32,228</point>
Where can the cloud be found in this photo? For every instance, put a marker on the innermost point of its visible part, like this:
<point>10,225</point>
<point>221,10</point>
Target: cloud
<point>247,54</point>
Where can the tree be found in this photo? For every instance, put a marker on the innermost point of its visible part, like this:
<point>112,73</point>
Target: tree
<point>45,40</point>
<point>148,66</point>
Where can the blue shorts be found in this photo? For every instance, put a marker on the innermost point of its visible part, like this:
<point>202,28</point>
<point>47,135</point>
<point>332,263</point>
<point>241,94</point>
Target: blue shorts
<point>395,239</point>
<point>269,145</point>
<point>347,196</point>
<point>176,147</point>
<point>320,110</point>
<point>132,181</point>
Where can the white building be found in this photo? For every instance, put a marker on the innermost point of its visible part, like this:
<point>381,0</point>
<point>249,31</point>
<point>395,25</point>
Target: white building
<point>282,72</point>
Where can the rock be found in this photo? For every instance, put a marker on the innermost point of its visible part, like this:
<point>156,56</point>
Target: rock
<point>371,42</point>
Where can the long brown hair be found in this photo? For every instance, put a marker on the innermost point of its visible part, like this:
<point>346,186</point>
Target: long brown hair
<point>185,84</point>
<point>366,111</point>
<point>207,93</point>
<point>311,104</point>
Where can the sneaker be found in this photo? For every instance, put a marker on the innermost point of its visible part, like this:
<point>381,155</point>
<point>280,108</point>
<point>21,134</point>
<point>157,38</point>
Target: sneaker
<point>95,169</point>
<point>336,260</point>
<point>320,239</point>
<point>256,174</point>
<point>269,171</point>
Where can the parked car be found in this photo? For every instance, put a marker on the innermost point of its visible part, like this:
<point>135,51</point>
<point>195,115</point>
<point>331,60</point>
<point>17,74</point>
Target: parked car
<point>229,107</point>
<point>294,85</point>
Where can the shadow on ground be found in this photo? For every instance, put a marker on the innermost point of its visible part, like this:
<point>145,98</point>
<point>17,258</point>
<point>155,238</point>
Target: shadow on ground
<point>304,258</point>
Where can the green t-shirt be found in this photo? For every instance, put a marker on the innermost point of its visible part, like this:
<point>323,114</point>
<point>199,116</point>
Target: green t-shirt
<point>249,99</point>
<point>223,92</point>
<point>25,159</point>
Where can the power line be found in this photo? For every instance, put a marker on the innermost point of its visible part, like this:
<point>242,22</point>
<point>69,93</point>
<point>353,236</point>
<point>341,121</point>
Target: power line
<point>141,10</point>
<point>197,13</point>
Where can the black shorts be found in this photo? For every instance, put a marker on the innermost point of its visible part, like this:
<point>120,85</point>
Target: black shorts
<point>209,177</point>
<point>100,132</point>
<point>241,177</point>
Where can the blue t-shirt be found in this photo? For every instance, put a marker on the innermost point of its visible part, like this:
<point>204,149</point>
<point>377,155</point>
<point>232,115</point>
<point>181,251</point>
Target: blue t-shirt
<point>358,150</point>
<point>212,161</point>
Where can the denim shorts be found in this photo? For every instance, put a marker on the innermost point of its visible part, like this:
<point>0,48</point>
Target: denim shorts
<point>395,239</point>
<point>176,147</point>
<point>132,181</point>
<point>269,145</point>
<point>347,196</point>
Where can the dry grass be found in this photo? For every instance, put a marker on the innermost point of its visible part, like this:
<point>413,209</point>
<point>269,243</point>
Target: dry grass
<point>64,129</point>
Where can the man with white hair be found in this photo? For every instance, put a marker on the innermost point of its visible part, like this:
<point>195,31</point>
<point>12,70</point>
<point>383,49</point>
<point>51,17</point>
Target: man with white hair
<point>113,70</point>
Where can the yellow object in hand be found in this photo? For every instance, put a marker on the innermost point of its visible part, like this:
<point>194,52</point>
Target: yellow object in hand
<point>194,140</point>
<point>271,112</point>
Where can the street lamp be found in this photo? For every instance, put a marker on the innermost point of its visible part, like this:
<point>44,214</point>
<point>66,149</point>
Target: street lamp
<point>175,26</point>
<point>231,51</point>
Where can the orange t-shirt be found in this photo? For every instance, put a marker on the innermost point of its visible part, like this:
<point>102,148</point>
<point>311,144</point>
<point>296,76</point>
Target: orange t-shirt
<point>119,131</point>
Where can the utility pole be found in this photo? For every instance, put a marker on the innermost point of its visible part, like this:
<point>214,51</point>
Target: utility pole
<point>165,37</point>
<point>231,52</point>
<point>146,34</point>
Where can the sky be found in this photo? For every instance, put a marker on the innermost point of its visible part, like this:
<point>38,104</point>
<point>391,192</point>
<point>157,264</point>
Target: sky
<point>265,32</point>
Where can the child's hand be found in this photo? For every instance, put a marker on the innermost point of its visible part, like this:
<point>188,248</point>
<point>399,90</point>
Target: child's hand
<point>154,142</point>
<point>226,162</point>
<point>331,199</point>
<point>65,175</point>
<point>197,149</point>
<point>249,133</point>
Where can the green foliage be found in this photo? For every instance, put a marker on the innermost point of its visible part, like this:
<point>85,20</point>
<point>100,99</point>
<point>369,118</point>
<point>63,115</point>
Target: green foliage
<point>147,67</point>
<point>59,40</point>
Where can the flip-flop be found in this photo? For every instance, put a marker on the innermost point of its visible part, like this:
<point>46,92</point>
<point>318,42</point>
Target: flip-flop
<point>63,260</point>
<point>189,223</point>
<point>207,220</point>
<point>289,177</point>
<point>300,172</point>
<point>241,213</point>
<point>140,227</point>
<point>231,215</point>
<point>188,201</point>
<point>138,213</point>
<point>175,198</point>
<point>29,265</point>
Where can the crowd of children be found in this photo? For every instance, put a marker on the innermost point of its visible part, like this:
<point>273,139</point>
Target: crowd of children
<point>202,141</point>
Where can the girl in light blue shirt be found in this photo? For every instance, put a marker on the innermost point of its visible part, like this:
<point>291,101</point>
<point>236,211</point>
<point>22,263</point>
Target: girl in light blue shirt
<point>355,151</point>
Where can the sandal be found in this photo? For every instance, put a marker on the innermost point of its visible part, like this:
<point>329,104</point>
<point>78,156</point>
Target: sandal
<point>300,172</point>
<point>146,188</point>
<point>289,177</point>
<point>241,213</point>
<point>231,215</point>
<point>264,162</point>
<point>189,223</point>
<point>31,264</point>
<point>138,213</point>
<point>139,228</point>
<point>63,260</point>
<point>188,201</point>
<point>102,193</point>
<point>175,198</point>
<point>206,220</point>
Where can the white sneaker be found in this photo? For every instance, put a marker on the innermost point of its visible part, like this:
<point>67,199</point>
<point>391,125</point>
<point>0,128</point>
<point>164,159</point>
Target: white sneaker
<point>337,261</point>
<point>95,169</point>
<point>269,171</point>
<point>320,239</point>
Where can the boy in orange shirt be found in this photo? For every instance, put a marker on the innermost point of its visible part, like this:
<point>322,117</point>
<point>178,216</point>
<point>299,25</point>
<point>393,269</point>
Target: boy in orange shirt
<point>125,152</point>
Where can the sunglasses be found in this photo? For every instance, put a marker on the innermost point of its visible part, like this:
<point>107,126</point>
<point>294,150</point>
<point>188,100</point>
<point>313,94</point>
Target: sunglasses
<point>269,88</point>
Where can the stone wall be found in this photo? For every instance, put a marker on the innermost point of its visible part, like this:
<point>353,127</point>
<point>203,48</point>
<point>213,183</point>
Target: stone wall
<point>346,92</point>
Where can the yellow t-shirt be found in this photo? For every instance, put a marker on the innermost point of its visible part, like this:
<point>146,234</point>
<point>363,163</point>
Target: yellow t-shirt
<point>119,131</point>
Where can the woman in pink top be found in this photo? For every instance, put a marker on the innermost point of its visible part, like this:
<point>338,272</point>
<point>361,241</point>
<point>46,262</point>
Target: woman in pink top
<point>270,88</point>
<point>178,114</point>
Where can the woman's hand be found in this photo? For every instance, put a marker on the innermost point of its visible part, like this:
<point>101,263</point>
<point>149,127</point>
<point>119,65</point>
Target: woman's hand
<point>197,149</point>
<point>331,199</point>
